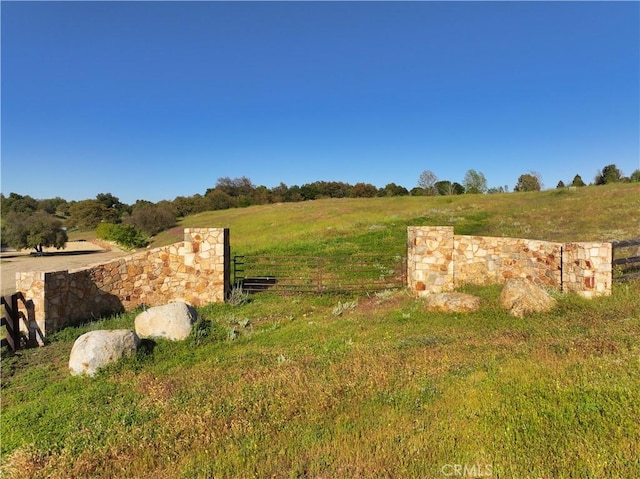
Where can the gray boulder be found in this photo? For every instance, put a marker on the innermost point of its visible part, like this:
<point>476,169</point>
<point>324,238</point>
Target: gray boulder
<point>452,302</point>
<point>521,296</point>
<point>96,349</point>
<point>172,321</point>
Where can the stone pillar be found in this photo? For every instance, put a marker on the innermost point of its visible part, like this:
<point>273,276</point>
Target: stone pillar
<point>33,309</point>
<point>208,251</point>
<point>429,259</point>
<point>586,269</point>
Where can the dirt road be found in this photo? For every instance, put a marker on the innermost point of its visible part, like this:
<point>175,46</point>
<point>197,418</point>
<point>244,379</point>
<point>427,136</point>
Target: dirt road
<point>76,255</point>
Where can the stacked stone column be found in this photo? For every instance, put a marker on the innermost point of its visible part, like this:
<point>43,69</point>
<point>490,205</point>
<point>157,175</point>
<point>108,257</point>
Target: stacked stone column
<point>430,259</point>
<point>586,269</point>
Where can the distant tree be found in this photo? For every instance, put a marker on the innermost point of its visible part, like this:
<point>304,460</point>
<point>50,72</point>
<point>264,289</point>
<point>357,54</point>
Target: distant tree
<point>427,182</point>
<point>52,205</point>
<point>364,190</point>
<point>560,184</point>
<point>391,189</point>
<point>35,230</point>
<point>279,192</point>
<point>187,205</point>
<point>234,187</point>
<point>309,191</point>
<point>577,181</point>
<point>111,201</point>
<point>635,177</point>
<point>609,174</point>
<point>497,189</point>
<point>293,194</point>
<point>416,191</point>
<point>17,203</point>
<point>475,182</point>
<point>528,182</point>
<point>261,195</point>
<point>152,219</point>
<point>87,214</point>
<point>446,188</point>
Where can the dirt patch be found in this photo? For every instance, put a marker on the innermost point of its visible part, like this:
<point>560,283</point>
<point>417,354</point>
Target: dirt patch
<point>76,255</point>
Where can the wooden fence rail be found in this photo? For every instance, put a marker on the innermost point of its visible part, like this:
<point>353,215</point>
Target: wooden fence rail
<point>629,266</point>
<point>10,320</point>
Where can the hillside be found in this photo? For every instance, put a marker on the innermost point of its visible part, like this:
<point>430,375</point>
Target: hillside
<point>595,213</point>
<point>348,386</point>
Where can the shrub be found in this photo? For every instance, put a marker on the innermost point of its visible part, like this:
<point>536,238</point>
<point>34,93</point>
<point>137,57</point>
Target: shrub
<point>152,219</point>
<point>127,236</point>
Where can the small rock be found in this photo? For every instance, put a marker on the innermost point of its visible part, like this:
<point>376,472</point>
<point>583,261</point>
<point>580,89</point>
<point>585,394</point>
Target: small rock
<point>96,349</point>
<point>452,302</point>
<point>172,321</point>
<point>521,296</point>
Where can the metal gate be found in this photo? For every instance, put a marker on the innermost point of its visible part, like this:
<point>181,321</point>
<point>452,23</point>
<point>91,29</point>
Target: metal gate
<point>319,274</point>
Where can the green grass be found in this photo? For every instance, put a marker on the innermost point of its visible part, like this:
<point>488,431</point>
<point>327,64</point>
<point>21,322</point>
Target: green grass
<point>602,213</point>
<point>352,386</point>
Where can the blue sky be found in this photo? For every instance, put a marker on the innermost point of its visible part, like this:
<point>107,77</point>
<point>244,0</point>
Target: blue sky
<point>153,100</point>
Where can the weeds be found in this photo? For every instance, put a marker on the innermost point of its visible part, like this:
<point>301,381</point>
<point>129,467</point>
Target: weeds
<point>341,307</point>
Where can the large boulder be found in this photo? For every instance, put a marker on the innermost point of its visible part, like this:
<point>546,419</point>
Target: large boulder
<point>452,302</point>
<point>521,296</point>
<point>96,349</point>
<point>172,321</point>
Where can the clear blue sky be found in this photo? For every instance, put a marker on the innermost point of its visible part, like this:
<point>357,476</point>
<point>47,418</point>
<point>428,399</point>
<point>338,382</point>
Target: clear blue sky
<point>153,100</point>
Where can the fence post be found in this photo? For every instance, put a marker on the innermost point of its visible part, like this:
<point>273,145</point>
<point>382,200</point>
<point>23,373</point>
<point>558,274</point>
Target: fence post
<point>11,320</point>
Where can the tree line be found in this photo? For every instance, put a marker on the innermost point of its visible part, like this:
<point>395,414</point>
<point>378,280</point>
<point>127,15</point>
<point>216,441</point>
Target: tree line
<point>34,223</point>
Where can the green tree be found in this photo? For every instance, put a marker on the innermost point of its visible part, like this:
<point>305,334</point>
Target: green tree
<point>446,188</point>
<point>35,230</point>
<point>391,189</point>
<point>87,214</point>
<point>577,181</point>
<point>529,182</point>
<point>609,174</point>
<point>560,184</point>
<point>364,190</point>
<point>152,219</point>
<point>635,177</point>
<point>18,204</point>
<point>219,200</point>
<point>474,182</point>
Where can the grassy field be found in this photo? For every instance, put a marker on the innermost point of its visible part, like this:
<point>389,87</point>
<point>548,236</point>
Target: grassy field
<point>355,386</point>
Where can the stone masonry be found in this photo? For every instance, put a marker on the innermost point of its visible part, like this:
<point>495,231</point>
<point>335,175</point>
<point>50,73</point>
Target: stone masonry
<point>195,271</point>
<point>438,260</point>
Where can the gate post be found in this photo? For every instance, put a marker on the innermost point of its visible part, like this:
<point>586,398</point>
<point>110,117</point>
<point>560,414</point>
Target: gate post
<point>587,269</point>
<point>429,259</point>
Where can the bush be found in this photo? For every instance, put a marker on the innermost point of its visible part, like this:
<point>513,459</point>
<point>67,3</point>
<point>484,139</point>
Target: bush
<point>152,219</point>
<point>127,236</point>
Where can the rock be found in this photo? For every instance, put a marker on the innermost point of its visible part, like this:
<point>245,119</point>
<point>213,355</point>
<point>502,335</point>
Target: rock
<point>452,302</point>
<point>172,321</point>
<point>96,349</point>
<point>522,296</point>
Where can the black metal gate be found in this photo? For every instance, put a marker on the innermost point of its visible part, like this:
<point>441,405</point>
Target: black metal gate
<point>626,260</point>
<point>319,274</point>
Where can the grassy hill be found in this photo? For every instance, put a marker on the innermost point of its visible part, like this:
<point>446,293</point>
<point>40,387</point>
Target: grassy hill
<point>349,386</point>
<point>602,213</point>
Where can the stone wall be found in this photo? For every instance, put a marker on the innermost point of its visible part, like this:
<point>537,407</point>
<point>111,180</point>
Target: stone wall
<point>195,271</point>
<point>438,260</point>
<point>587,268</point>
